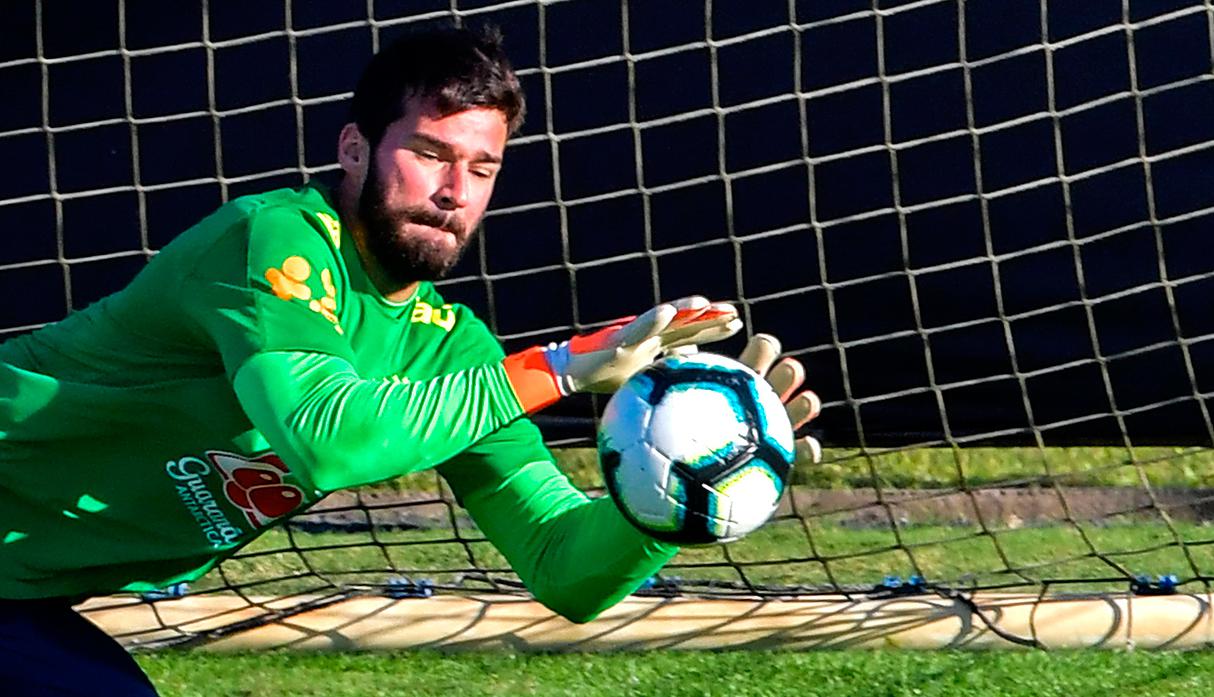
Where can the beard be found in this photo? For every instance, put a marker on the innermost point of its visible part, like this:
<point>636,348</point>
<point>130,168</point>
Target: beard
<point>403,258</point>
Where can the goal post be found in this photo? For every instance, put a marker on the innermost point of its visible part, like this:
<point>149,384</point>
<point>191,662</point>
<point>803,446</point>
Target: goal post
<point>983,227</point>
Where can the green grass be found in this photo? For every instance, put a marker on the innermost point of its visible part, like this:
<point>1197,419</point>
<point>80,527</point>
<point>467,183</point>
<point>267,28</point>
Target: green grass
<point>671,674</point>
<point>828,550</point>
<point>930,468</point>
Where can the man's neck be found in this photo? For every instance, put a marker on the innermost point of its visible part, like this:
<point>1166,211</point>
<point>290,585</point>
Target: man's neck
<point>391,290</point>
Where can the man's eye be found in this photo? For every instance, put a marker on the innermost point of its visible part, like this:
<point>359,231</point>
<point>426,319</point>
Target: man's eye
<point>483,173</point>
<point>427,154</point>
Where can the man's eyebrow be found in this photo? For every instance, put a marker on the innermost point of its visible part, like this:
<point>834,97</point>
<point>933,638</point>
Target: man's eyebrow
<point>437,144</point>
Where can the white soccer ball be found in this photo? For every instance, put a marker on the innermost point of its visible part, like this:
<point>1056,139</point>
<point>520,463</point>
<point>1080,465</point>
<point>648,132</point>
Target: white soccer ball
<point>696,449</point>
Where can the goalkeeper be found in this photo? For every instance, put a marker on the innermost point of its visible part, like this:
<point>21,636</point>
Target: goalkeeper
<point>292,344</point>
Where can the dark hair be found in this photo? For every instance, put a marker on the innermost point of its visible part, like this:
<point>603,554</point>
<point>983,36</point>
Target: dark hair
<point>458,68</point>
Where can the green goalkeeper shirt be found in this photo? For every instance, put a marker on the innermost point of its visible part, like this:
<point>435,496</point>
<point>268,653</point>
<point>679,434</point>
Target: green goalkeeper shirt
<point>248,370</point>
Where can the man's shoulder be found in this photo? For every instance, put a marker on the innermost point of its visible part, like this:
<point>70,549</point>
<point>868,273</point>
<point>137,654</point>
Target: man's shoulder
<point>304,208</point>
<point>280,216</point>
<point>258,258</point>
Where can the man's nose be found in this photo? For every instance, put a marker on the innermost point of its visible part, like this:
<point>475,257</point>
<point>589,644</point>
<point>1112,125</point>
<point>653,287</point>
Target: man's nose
<point>454,191</point>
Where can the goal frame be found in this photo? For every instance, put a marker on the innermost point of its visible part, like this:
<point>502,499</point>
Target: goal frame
<point>511,623</point>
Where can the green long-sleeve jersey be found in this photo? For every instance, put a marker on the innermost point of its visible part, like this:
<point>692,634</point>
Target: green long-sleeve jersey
<point>248,370</point>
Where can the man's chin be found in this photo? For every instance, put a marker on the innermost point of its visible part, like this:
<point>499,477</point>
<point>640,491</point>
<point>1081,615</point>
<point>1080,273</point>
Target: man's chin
<point>432,265</point>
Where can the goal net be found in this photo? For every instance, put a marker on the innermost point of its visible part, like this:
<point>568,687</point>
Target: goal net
<point>983,227</point>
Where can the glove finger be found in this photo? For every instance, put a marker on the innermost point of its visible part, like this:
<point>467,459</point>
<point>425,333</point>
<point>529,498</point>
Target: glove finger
<point>683,318</point>
<point>697,309</point>
<point>691,304</point>
<point>786,377</point>
<point>809,451</point>
<point>760,353</point>
<point>648,325</point>
<point>709,327</point>
<point>687,311</point>
<point>803,408</point>
<point>714,332</point>
<point>718,310</point>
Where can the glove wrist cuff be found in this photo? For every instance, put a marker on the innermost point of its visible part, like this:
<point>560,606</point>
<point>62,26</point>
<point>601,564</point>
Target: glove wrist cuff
<point>530,374</point>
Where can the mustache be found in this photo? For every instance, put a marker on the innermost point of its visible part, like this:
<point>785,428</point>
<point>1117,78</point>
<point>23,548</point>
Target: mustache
<point>430,218</point>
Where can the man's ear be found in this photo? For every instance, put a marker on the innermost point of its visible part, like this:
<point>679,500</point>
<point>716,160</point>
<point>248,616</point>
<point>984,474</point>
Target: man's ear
<point>353,150</point>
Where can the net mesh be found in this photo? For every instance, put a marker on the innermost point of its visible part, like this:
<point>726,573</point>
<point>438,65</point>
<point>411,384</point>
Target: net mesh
<point>846,174</point>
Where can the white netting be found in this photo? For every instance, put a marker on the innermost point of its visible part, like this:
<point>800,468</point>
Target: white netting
<point>975,223</point>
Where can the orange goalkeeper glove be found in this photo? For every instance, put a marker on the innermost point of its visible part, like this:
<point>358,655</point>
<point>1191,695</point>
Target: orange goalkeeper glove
<point>603,360</point>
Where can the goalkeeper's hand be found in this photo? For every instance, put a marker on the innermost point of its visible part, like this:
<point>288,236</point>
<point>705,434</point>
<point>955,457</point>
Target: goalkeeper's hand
<point>605,359</point>
<point>785,377</point>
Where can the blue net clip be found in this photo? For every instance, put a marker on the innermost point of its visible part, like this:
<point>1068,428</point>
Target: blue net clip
<point>403,587</point>
<point>892,585</point>
<point>177,590</point>
<point>1164,584</point>
<point>666,586</point>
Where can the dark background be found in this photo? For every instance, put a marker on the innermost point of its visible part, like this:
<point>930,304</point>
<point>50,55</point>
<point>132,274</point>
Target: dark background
<point>888,192</point>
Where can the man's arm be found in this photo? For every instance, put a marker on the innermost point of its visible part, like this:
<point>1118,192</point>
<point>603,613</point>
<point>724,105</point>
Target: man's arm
<point>343,431</point>
<point>578,556</point>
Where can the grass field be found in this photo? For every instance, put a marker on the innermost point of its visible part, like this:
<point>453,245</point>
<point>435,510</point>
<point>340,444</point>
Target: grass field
<point>668,674</point>
<point>826,549</point>
<point>839,555</point>
<point>930,468</point>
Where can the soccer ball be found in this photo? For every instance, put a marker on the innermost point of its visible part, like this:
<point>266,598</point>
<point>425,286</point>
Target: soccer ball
<point>696,449</point>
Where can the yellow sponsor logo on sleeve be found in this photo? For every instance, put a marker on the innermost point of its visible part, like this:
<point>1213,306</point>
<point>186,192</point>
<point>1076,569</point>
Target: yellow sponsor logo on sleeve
<point>424,313</point>
<point>332,225</point>
<point>290,283</point>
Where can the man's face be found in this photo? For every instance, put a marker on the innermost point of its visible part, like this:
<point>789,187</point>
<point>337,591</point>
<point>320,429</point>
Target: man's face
<point>427,186</point>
